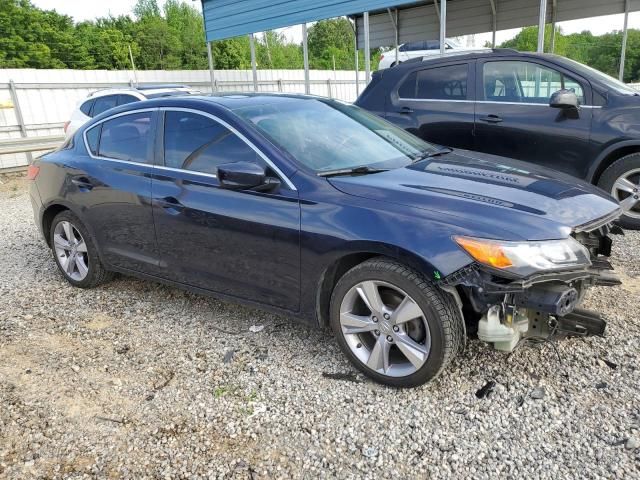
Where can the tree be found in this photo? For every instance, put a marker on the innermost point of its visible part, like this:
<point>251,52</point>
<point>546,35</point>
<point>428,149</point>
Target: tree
<point>146,8</point>
<point>600,52</point>
<point>185,24</point>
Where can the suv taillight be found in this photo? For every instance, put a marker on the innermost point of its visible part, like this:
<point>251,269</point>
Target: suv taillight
<point>66,125</point>
<point>32,172</point>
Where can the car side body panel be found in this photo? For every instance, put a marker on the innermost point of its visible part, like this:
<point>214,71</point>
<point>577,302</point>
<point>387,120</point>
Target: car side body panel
<point>276,249</point>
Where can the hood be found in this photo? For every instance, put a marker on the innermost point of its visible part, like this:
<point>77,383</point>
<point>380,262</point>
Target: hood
<point>532,203</point>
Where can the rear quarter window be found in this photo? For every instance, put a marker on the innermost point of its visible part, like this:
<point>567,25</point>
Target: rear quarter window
<point>93,138</point>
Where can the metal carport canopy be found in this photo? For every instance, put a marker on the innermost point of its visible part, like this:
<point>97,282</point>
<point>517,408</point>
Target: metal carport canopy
<point>420,21</point>
<point>390,22</point>
<point>232,18</point>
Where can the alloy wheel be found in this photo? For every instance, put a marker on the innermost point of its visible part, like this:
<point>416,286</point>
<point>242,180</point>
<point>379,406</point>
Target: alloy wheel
<point>385,328</point>
<point>626,189</point>
<point>71,251</point>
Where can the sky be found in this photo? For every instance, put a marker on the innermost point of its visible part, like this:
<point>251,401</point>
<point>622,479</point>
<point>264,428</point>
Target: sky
<point>90,9</point>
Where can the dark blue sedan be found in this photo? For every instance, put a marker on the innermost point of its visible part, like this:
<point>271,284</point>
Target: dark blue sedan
<point>317,209</point>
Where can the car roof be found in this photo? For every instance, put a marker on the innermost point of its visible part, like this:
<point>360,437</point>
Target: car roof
<point>224,101</point>
<point>472,55</point>
<point>141,89</point>
<point>233,100</point>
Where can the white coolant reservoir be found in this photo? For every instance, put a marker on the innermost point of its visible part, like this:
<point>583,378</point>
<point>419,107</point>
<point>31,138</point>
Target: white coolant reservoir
<point>503,330</point>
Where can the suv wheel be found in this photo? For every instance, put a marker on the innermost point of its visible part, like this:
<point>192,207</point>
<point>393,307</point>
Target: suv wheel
<point>394,325</point>
<point>75,252</point>
<point>622,180</point>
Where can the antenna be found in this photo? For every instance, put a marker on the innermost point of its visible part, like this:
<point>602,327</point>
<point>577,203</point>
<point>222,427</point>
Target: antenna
<point>133,66</point>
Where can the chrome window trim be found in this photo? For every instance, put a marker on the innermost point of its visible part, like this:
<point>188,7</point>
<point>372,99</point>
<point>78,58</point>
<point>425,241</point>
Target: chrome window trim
<point>434,100</point>
<point>486,101</point>
<point>236,132</point>
<point>122,114</point>
<point>192,172</point>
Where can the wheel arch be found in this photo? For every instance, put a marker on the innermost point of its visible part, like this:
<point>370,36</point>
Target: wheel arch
<point>609,156</point>
<point>345,262</point>
<point>47,219</point>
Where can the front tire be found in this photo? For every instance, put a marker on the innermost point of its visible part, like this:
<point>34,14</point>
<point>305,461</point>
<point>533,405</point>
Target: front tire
<point>75,252</point>
<point>622,180</point>
<point>394,325</point>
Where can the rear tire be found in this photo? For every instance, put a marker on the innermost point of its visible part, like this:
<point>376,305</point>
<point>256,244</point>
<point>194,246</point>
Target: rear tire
<point>75,252</point>
<point>409,337</point>
<point>620,179</point>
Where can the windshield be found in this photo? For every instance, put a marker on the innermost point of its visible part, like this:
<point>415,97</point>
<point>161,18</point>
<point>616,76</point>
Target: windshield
<point>328,135</point>
<point>607,80</point>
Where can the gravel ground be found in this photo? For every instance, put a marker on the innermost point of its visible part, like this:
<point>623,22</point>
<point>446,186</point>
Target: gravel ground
<point>135,380</point>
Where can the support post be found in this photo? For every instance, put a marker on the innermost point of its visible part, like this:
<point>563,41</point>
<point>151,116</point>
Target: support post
<point>494,19</point>
<point>554,7</point>
<point>305,55</point>
<point>19,118</point>
<point>211,72</point>
<point>443,25</point>
<point>354,27</point>
<point>367,50</point>
<point>541,23</point>
<point>397,36</point>
<point>254,66</point>
<point>623,52</point>
<point>394,22</point>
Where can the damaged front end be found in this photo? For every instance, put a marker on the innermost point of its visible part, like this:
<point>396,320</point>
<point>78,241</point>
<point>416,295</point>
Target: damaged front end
<point>509,305</point>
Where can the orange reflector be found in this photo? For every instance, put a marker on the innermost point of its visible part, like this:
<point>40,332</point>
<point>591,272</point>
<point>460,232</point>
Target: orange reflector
<point>32,172</point>
<point>485,252</point>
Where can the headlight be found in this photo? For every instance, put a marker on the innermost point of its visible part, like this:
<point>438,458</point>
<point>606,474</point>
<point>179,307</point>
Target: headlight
<point>525,258</point>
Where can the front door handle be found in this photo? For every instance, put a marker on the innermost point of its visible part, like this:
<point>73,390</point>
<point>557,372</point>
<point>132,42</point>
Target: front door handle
<point>82,183</point>
<point>491,118</point>
<point>405,110</point>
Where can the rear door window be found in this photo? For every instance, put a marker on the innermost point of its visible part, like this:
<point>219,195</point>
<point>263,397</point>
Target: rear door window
<point>198,143</point>
<point>128,137</point>
<point>102,104</point>
<point>438,83</point>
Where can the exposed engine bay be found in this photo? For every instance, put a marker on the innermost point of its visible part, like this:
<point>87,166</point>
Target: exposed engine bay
<point>507,309</point>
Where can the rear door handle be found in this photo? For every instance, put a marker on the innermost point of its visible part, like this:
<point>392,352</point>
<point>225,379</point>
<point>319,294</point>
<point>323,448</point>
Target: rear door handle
<point>170,204</point>
<point>82,183</point>
<point>491,119</point>
<point>405,110</point>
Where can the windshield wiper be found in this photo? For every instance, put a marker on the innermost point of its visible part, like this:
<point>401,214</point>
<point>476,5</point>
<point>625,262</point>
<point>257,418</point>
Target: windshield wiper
<point>363,169</point>
<point>423,155</point>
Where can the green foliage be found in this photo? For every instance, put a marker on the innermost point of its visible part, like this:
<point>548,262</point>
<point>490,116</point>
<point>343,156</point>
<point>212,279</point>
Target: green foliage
<point>601,52</point>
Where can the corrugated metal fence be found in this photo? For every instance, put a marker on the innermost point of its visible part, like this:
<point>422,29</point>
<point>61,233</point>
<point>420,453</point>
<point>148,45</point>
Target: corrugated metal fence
<point>38,102</point>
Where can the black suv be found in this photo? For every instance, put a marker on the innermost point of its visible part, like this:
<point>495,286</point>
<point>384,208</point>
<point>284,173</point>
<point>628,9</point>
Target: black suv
<point>541,108</point>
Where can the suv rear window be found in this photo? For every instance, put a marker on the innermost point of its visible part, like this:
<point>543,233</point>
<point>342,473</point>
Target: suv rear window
<point>439,83</point>
<point>86,106</point>
<point>103,104</point>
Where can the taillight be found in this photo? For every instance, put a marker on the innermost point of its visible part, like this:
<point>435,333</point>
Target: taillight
<point>66,125</point>
<point>381,57</point>
<point>32,172</point>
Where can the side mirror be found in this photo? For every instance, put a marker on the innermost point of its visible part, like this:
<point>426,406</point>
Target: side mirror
<point>246,176</point>
<point>565,99</point>
<point>241,175</point>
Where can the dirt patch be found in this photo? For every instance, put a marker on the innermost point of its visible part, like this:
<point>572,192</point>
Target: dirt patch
<point>13,185</point>
<point>631,284</point>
